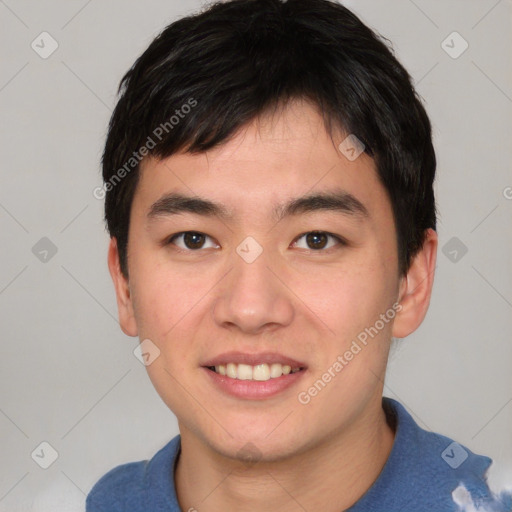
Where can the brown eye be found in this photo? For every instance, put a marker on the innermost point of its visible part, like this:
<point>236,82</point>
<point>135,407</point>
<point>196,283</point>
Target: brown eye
<point>191,240</point>
<point>318,240</point>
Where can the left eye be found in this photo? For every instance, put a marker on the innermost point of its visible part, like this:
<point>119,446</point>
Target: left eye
<point>318,240</point>
<point>190,240</point>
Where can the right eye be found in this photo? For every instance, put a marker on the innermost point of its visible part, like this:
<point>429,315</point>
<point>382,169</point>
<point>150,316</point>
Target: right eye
<point>189,241</point>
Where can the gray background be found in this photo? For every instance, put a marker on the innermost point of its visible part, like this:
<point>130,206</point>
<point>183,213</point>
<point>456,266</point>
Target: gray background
<point>68,373</point>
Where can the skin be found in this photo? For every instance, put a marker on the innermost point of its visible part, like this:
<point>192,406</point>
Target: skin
<point>304,303</point>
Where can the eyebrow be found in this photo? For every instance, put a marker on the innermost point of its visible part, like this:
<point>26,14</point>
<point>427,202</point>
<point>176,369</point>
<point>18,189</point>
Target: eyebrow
<point>338,201</point>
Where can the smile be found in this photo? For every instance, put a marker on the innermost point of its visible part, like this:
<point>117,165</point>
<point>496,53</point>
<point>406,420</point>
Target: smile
<point>258,372</point>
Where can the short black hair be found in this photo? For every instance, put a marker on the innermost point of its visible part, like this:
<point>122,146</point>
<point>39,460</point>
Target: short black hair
<point>207,75</point>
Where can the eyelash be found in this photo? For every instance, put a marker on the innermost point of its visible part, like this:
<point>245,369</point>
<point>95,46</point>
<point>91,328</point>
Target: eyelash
<point>340,241</point>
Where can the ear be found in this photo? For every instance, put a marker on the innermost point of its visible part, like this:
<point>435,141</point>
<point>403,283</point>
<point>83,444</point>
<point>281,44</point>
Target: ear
<point>416,288</point>
<point>124,300</point>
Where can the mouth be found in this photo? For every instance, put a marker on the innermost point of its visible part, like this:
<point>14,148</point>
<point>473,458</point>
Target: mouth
<point>254,376</point>
<point>259,372</point>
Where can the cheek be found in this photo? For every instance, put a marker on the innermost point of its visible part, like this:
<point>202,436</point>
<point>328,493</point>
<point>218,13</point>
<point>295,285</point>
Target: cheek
<point>171,309</point>
<point>162,296</point>
<point>349,300</point>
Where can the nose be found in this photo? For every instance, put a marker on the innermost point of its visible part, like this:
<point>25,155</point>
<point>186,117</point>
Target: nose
<point>253,298</point>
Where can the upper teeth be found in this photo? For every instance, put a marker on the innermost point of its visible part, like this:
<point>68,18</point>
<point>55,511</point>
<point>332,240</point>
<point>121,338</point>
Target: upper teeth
<point>257,372</point>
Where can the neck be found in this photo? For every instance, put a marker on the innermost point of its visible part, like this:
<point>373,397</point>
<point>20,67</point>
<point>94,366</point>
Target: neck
<point>330,476</point>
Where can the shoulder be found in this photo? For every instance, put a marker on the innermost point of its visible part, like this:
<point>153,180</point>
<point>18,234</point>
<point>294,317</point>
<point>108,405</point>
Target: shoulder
<point>112,491</point>
<point>428,471</point>
<point>133,485</point>
<point>432,453</point>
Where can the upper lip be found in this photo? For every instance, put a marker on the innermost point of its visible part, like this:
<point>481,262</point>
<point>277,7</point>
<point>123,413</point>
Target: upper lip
<point>253,359</point>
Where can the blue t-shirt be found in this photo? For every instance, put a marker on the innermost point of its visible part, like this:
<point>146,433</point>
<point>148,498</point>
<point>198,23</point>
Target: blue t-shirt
<point>422,471</point>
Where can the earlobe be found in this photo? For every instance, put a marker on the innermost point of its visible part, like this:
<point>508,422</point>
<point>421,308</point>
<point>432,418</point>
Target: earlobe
<point>122,289</point>
<point>416,288</point>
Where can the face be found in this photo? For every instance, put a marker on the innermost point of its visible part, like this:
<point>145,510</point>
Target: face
<point>286,260</point>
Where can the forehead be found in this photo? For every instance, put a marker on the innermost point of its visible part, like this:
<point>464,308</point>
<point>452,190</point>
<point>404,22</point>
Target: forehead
<point>271,160</point>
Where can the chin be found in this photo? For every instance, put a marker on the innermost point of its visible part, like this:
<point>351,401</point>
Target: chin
<point>261,443</point>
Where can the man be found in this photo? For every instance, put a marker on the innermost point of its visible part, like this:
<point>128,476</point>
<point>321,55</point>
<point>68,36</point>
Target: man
<point>269,195</point>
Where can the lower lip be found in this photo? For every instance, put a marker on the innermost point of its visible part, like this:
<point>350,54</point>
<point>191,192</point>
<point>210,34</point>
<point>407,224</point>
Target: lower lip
<point>254,389</point>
